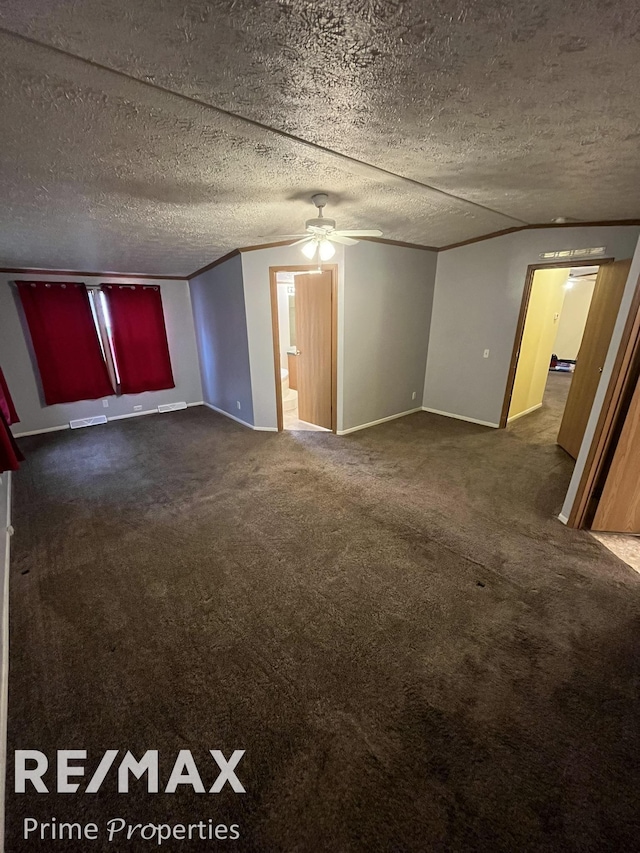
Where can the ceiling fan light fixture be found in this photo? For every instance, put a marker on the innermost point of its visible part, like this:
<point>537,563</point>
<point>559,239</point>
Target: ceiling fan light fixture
<point>326,250</point>
<point>309,249</point>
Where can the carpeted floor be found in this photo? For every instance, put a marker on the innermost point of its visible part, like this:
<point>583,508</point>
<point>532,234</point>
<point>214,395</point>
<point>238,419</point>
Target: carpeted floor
<point>414,653</point>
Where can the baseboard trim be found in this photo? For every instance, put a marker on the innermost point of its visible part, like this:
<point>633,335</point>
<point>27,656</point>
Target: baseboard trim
<point>112,418</point>
<point>379,421</point>
<point>526,412</point>
<point>461,417</point>
<point>40,431</point>
<point>132,415</point>
<point>239,420</point>
<point>563,518</point>
<point>4,664</point>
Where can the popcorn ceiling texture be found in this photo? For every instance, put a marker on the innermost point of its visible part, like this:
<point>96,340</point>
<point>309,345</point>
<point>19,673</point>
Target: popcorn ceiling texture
<point>527,110</point>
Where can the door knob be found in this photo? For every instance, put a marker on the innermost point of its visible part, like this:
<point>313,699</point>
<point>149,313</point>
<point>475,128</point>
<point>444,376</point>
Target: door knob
<point>298,352</point>
<point>599,370</point>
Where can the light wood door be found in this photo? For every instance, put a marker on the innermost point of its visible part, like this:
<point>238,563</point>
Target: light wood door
<point>601,319</point>
<point>313,341</point>
<point>619,505</point>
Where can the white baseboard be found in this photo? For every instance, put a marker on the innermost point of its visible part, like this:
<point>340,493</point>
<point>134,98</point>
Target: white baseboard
<point>133,415</point>
<point>239,420</point>
<point>461,417</point>
<point>379,421</point>
<point>4,660</point>
<point>40,431</point>
<point>112,418</point>
<point>526,412</point>
<point>563,519</point>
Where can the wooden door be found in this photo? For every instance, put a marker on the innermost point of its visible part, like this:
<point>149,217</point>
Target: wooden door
<point>313,341</point>
<point>619,505</point>
<point>601,319</point>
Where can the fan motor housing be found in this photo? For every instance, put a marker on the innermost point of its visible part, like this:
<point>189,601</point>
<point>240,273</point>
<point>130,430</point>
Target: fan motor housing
<point>321,222</point>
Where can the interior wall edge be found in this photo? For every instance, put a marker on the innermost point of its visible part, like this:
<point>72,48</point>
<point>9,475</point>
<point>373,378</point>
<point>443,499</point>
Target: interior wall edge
<point>5,554</point>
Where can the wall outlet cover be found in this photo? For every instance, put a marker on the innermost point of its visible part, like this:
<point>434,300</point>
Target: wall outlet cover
<point>105,404</point>
<point>137,408</point>
<point>238,404</point>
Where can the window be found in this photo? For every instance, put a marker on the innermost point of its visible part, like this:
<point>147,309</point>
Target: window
<point>98,341</point>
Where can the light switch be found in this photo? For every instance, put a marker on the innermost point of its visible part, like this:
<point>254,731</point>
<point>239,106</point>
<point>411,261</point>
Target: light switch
<point>486,354</point>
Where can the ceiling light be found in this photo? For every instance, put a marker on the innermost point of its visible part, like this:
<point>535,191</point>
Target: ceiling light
<point>309,249</point>
<point>569,284</point>
<point>327,250</point>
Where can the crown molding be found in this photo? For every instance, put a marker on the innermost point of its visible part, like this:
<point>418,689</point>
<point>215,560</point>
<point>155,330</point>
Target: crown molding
<point>91,274</point>
<point>538,225</point>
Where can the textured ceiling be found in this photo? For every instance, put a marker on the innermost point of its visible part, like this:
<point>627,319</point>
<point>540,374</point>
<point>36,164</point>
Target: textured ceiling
<point>156,136</point>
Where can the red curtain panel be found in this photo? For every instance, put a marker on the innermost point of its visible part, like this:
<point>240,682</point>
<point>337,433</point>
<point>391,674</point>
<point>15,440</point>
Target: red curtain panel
<point>139,338</point>
<point>65,341</point>
<point>10,456</point>
<point>6,403</point>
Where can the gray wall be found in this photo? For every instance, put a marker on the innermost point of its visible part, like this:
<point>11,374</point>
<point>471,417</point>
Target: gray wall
<point>388,296</point>
<point>220,321</point>
<point>476,304</point>
<point>21,374</point>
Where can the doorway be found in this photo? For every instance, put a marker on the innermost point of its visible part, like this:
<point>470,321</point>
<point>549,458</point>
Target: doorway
<point>304,325</point>
<point>566,321</point>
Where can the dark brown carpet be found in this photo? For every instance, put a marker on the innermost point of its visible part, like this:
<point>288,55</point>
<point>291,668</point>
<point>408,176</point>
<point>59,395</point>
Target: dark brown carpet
<point>414,653</point>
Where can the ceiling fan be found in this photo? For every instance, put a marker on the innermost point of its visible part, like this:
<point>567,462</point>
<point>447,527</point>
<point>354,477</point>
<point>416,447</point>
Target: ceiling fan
<point>321,233</point>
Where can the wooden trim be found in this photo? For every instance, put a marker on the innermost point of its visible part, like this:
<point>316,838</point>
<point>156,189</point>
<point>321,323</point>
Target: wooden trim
<point>213,264</point>
<point>522,317</point>
<point>334,349</point>
<point>275,329</point>
<point>538,225</point>
<point>400,243</point>
<point>271,246</point>
<point>621,377</point>
<point>146,276</point>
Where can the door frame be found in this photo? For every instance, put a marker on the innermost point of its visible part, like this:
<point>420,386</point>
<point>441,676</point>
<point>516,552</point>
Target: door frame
<point>615,404</point>
<point>275,328</point>
<point>522,318</point>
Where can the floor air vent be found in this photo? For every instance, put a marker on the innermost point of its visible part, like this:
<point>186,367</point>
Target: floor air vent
<point>171,407</point>
<point>85,422</point>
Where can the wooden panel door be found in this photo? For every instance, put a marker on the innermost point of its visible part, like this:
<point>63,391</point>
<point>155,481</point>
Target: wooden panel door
<point>601,319</point>
<point>313,341</point>
<point>619,505</point>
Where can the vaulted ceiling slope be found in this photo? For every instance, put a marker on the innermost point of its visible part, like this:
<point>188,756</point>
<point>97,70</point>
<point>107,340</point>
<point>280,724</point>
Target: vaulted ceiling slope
<point>157,135</point>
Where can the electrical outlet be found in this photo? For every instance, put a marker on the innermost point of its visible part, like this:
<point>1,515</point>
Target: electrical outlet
<point>105,404</point>
<point>137,408</point>
<point>238,404</point>
<point>486,354</point>
<point>413,396</point>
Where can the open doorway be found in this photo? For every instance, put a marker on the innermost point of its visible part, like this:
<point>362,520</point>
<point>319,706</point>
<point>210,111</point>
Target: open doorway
<point>566,321</point>
<point>304,322</point>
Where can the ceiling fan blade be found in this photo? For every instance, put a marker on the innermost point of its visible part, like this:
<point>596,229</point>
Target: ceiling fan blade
<point>305,239</point>
<point>340,238</point>
<point>373,233</point>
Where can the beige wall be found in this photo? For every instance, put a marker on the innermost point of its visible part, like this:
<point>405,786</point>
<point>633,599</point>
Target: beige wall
<point>540,330</point>
<point>573,319</point>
